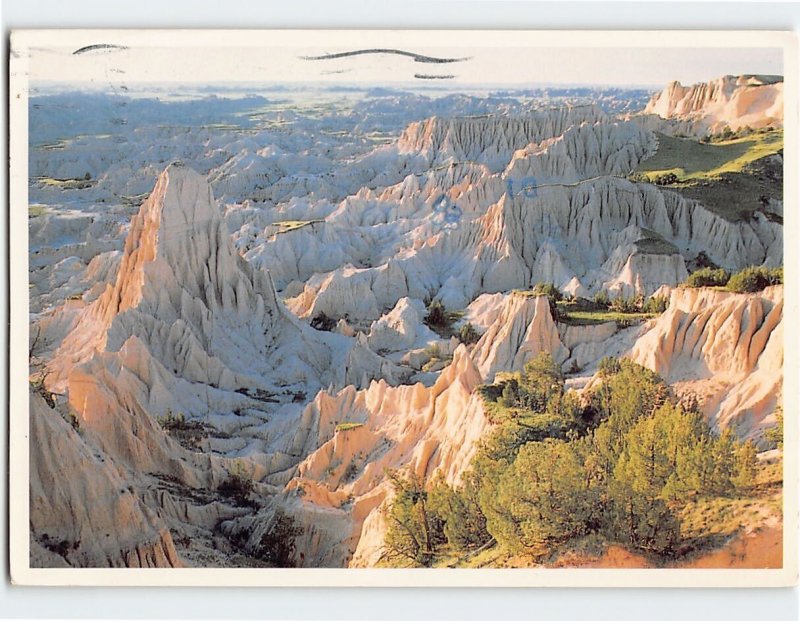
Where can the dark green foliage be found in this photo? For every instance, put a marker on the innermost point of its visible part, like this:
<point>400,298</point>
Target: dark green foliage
<point>554,470</point>
<point>774,435</point>
<point>468,334</point>
<point>277,545</point>
<point>727,134</point>
<point>464,524</point>
<point>415,532</point>
<point>753,279</point>
<point>608,366</point>
<point>655,304</point>
<point>707,277</point>
<point>437,315</point>
<point>323,322</point>
<point>703,260</point>
<point>548,289</point>
<point>553,296</point>
<point>601,298</point>
<point>635,304</point>
<point>641,522</point>
<point>664,179</point>
<point>541,499</point>
<point>540,382</point>
<point>533,405</point>
<point>622,304</point>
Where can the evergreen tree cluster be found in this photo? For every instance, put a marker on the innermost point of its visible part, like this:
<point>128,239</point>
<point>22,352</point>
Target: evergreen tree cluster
<point>619,464</point>
<point>748,280</point>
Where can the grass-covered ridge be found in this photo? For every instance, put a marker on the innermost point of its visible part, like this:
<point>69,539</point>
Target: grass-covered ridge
<point>693,160</point>
<point>733,178</point>
<point>67,184</point>
<point>348,426</point>
<point>624,311</point>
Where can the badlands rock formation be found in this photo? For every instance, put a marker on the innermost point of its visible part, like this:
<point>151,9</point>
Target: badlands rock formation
<point>206,310</point>
<point>725,348</point>
<point>83,512</point>
<point>730,101</point>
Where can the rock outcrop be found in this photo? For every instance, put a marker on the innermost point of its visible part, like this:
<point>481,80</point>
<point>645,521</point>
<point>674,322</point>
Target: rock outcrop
<point>83,511</point>
<point>523,328</point>
<point>726,348</point>
<point>352,436</point>
<point>730,101</point>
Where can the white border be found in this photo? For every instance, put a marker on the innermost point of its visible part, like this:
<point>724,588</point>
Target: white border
<point>18,237</point>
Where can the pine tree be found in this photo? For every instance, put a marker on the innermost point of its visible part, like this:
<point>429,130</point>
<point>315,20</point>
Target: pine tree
<point>413,533</point>
<point>464,524</point>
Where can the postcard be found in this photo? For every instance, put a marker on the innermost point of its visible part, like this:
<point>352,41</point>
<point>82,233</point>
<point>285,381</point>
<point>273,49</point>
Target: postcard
<point>403,308</point>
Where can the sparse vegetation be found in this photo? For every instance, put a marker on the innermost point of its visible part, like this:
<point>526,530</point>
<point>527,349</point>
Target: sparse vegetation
<point>689,159</point>
<point>286,226</point>
<point>653,243</point>
<point>700,261</point>
<point>435,357</point>
<point>188,433</point>
<point>238,486</point>
<point>350,473</point>
<point>548,289</point>
<point>440,320</point>
<point>554,296</point>
<point>37,385</point>
<point>601,298</point>
<point>322,322</point>
<point>73,419</point>
<point>277,545</point>
<point>62,547</point>
<point>437,315</point>
<point>348,426</point>
<point>774,435</point>
<point>468,335</point>
<point>67,184</point>
<point>414,533</point>
<point>34,211</point>
<point>433,351</point>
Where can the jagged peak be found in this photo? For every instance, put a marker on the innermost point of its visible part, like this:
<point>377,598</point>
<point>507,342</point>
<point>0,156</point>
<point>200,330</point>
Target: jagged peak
<point>180,207</point>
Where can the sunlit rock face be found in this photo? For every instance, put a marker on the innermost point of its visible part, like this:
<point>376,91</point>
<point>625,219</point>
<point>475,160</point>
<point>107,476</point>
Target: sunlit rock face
<point>730,101</point>
<point>287,319</point>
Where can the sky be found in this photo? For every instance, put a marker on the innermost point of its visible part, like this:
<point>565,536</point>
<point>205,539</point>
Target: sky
<point>512,66</point>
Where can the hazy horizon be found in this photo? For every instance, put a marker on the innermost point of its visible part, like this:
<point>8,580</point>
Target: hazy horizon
<point>465,67</point>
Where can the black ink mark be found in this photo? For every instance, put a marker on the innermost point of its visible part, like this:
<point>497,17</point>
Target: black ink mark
<point>425,76</point>
<point>98,46</point>
<point>418,58</point>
